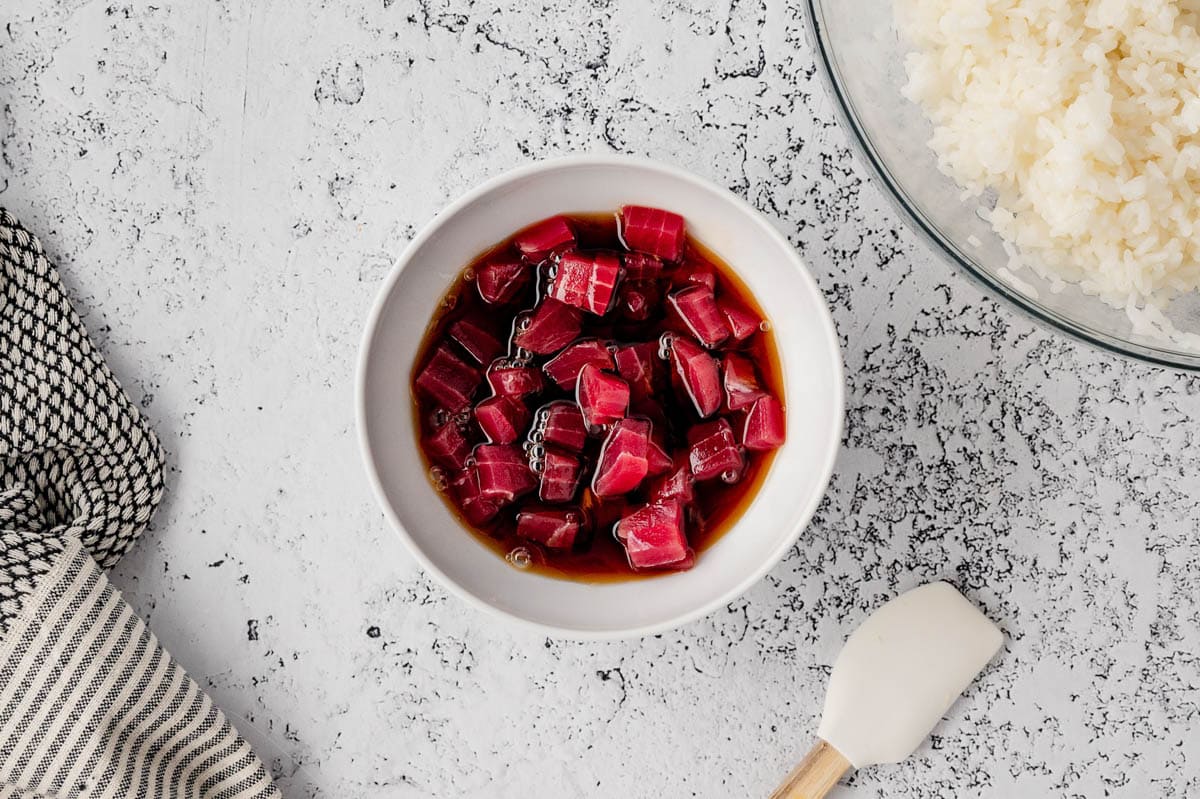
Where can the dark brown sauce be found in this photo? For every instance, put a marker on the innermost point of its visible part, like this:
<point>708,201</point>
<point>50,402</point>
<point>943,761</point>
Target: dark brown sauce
<point>598,556</point>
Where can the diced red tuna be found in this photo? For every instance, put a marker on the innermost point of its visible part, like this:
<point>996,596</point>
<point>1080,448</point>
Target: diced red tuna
<point>477,337</point>
<point>653,231</point>
<point>550,527</point>
<point>448,446</point>
<point>564,426</point>
<point>699,374</point>
<point>552,326</point>
<point>503,472</point>
<point>678,485</point>
<point>701,274</point>
<point>654,536</point>
<point>764,427</point>
<point>623,458</point>
<point>500,281</point>
<point>448,379</point>
<point>564,368</point>
<point>476,509</point>
<point>587,281</point>
<point>640,266</point>
<point>638,364</point>
<point>713,450</point>
<point>637,301</point>
<point>502,419</point>
<point>742,322</point>
<point>698,309</point>
<point>741,382</point>
<point>561,471</point>
<point>657,460</point>
<point>547,237</point>
<point>602,397</point>
<point>688,562</point>
<point>517,382</point>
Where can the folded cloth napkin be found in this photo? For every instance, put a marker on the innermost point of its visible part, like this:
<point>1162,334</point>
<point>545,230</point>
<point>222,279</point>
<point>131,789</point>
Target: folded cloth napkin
<point>90,704</point>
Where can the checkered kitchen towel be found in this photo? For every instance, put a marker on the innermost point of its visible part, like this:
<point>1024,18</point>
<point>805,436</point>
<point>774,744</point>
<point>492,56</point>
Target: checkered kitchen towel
<point>90,704</point>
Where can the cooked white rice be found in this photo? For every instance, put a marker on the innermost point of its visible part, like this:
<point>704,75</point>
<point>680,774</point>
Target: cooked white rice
<point>1085,119</point>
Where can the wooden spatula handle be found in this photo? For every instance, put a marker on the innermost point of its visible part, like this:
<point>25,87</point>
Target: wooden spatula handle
<point>816,775</point>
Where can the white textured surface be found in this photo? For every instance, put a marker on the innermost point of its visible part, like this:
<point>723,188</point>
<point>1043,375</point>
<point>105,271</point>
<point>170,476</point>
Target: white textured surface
<point>224,184</point>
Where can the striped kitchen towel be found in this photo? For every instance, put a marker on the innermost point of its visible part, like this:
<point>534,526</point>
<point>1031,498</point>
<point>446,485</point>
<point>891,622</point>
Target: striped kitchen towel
<point>90,705</point>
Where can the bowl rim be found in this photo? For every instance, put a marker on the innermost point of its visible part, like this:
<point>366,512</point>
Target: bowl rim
<point>994,287</point>
<point>800,521</point>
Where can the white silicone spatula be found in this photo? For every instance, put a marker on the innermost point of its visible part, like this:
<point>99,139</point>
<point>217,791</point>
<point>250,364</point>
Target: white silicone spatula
<point>896,676</point>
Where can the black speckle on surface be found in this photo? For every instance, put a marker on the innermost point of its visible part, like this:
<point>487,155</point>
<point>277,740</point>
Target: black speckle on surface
<point>340,84</point>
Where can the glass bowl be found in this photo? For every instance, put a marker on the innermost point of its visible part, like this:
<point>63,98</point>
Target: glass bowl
<point>861,55</point>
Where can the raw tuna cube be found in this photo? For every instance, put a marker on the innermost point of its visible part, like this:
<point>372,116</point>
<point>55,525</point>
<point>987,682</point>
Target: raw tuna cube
<point>764,427</point>
<point>698,309</point>
<point>587,281</point>
<point>477,337</point>
<point>640,266</point>
<point>657,460</point>
<point>560,476</point>
<point>549,236</point>
<point>678,485</point>
<point>741,382</point>
<point>623,458</point>
<point>638,364</point>
<point>549,527</point>
<point>564,368</point>
<point>653,231</point>
<point>552,326</point>
<point>502,419</point>
<point>564,426</point>
<point>448,379</point>
<point>448,446</point>
<point>742,322</point>
<point>699,374</point>
<point>502,280</point>
<point>701,275</point>
<point>464,490</point>
<point>637,301</point>
<point>517,382</point>
<point>603,398</point>
<point>654,537</point>
<point>714,452</point>
<point>688,562</point>
<point>503,472</point>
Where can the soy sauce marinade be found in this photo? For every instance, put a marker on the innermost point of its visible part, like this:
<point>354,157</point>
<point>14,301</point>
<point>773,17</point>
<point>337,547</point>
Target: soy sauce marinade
<point>597,554</point>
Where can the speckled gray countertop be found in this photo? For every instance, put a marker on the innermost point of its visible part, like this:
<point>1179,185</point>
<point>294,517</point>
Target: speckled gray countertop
<point>225,184</point>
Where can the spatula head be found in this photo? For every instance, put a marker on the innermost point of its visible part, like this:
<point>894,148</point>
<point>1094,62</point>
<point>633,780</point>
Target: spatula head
<point>901,670</point>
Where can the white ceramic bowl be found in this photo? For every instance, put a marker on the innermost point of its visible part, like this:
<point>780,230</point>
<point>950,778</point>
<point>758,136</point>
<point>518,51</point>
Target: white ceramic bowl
<point>788,496</point>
